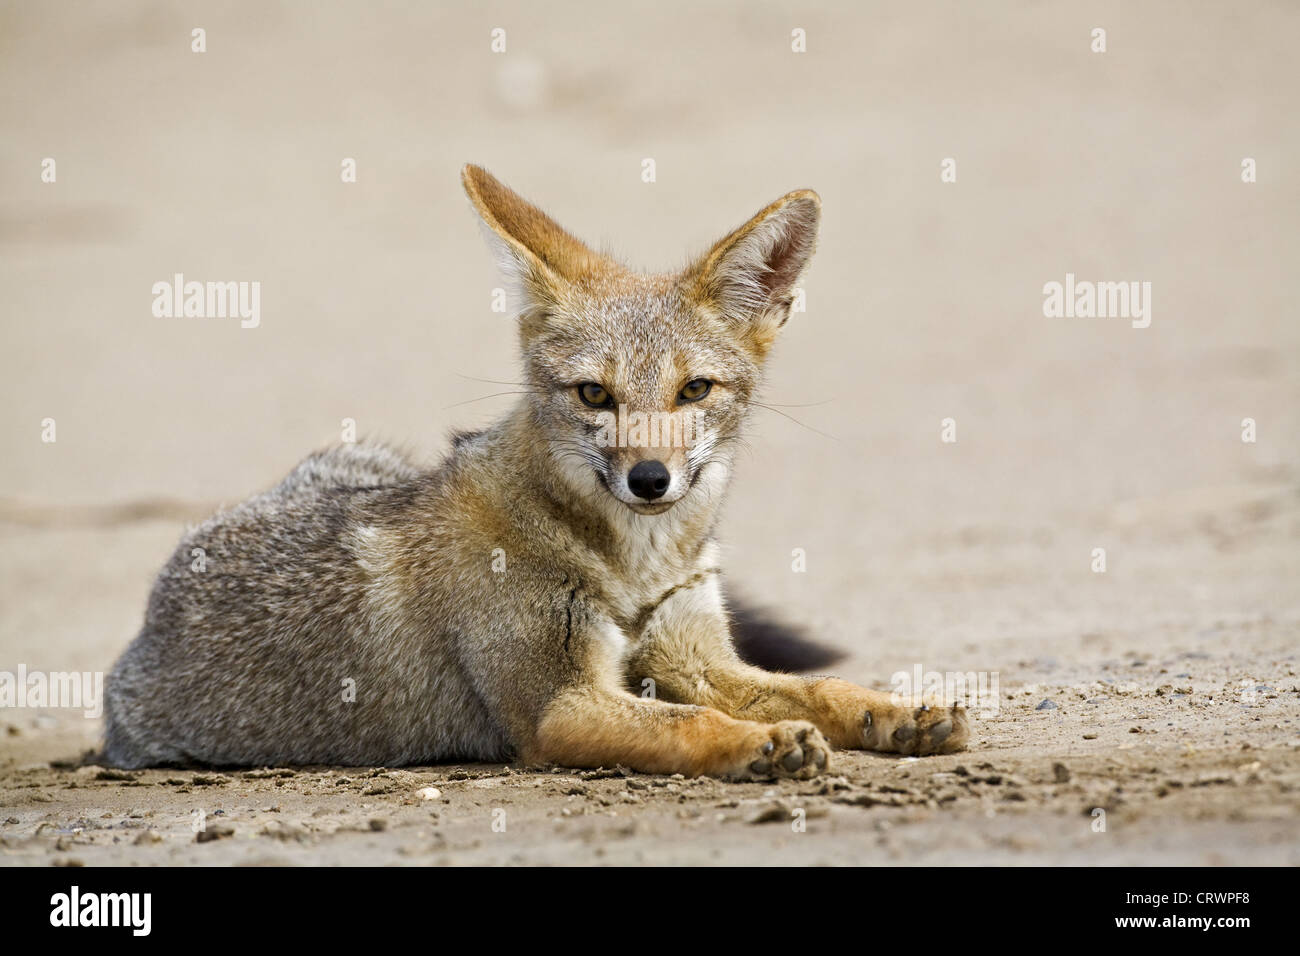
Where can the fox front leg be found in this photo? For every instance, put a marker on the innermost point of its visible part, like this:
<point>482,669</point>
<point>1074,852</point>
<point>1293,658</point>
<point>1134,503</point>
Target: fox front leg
<point>584,717</point>
<point>685,649</point>
<point>591,726</point>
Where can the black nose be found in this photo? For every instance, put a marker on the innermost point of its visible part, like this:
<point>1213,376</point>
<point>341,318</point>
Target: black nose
<point>648,479</point>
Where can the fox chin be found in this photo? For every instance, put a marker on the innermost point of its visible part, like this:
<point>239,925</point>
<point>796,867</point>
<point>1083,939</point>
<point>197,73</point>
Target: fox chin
<point>552,592</point>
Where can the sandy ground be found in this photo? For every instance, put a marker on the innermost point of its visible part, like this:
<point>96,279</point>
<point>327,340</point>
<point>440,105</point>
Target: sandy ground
<point>1174,702</point>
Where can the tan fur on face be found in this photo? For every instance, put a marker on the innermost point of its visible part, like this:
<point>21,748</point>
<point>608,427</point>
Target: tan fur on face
<point>585,318</point>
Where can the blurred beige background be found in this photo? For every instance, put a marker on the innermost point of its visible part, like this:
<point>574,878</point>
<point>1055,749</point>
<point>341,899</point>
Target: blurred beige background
<point>924,301</point>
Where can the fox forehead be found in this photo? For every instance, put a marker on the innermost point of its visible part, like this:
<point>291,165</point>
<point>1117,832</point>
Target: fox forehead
<point>639,335</point>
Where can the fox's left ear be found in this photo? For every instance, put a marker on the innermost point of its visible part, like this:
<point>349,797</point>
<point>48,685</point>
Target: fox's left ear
<point>750,275</point>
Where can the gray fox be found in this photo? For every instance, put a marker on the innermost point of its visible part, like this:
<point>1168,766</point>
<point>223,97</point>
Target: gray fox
<point>551,593</point>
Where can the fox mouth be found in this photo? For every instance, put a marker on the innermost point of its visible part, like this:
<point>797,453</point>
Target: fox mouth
<point>652,507</point>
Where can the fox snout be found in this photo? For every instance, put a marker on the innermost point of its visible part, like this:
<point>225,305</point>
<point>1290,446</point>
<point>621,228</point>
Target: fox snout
<point>649,479</point>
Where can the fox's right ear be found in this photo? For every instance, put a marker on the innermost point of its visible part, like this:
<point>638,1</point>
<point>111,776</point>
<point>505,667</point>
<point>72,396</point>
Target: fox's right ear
<point>539,258</point>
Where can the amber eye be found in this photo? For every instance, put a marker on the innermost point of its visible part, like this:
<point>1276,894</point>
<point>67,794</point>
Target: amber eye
<point>594,395</point>
<point>695,390</point>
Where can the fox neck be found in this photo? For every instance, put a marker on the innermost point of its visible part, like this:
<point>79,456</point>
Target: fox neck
<point>679,538</point>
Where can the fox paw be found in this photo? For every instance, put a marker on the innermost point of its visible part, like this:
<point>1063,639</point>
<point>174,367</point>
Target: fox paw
<point>916,731</point>
<point>792,749</point>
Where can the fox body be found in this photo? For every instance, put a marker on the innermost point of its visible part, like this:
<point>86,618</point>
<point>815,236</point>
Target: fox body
<point>546,594</point>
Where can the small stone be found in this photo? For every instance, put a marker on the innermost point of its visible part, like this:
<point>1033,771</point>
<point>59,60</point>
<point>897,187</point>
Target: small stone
<point>1047,705</point>
<point>268,773</point>
<point>209,779</point>
<point>217,832</point>
<point>772,813</point>
<point>114,775</point>
<point>429,793</point>
<point>833,784</point>
<point>1061,773</point>
<point>1211,778</point>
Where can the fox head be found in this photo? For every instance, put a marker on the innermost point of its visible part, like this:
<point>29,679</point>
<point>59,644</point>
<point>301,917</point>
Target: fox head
<point>640,383</point>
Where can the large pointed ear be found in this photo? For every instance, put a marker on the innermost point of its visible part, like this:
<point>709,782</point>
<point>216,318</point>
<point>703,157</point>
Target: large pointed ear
<point>750,275</point>
<point>535,254</point>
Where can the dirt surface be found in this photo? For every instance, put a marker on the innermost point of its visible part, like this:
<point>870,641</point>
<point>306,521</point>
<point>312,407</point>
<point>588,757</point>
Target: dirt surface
<point>1178,757</point>
<point>1162,691</point>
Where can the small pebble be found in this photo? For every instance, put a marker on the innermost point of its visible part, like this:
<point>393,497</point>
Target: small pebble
<point>214,833</point>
